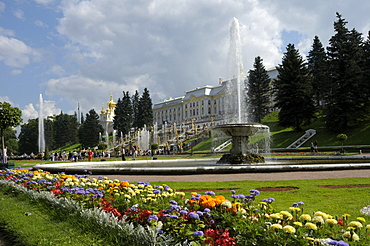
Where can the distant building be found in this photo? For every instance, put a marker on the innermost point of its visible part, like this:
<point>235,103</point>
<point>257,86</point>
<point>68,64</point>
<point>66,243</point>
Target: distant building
<point>202,104</point>
<point>107,116</point>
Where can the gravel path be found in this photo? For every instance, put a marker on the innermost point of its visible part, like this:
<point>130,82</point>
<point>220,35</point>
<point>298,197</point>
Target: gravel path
<point>358,173</point>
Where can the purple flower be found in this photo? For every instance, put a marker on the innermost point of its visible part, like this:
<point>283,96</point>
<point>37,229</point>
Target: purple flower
<point>183,212</point>
<point>198,233</point>
<point>210,193</point>
<point>207,210</point>
<point>153,217</point>
<point>254,192</point>
<point>173,202</point>
<point>174,216</point>
<point>233,191</point>
<point>155,191</point>
<point>193,215</point>
<point>339,243</point>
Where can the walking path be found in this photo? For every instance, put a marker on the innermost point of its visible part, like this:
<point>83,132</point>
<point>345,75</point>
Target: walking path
<point>294,175</point>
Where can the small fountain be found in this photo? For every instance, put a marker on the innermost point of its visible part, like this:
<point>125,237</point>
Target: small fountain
<point>41,139</point>
<point>240,131</point>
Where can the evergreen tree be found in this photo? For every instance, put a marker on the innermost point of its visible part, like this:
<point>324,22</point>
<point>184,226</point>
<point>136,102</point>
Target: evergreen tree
<point>258,91</point>
<point>49,133</point>
<point>293,91</point>
<point>11,142</point>
<point>123,119</point>
<point>89,130</point>
<point>28,137</point>
<point>135,109</point>
<point>65,130</point>
<point>317,65</point>
<point>366,66</point>
<point>145,111</point>
<point>348,100</point>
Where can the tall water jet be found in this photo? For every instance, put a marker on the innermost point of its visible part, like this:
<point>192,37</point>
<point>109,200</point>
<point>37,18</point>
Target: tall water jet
<point>238,127</point>
<point>41,141</point>
<point>236,107</point>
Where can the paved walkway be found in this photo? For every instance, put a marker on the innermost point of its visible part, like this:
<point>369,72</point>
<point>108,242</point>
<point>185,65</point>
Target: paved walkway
<point>358,173</point>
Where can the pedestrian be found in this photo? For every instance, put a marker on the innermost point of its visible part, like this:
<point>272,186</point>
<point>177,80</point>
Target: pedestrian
<point>123,154</point>
<point>89,155</point>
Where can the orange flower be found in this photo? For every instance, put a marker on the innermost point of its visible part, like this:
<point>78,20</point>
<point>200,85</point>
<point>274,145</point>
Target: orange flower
<point>124,184</point>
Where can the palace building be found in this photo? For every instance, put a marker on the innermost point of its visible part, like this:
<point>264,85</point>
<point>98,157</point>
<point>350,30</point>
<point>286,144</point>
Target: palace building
<point>202,104</point>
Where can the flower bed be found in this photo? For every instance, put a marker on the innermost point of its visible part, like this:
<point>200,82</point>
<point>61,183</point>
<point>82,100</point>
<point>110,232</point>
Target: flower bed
<point>157,215</point>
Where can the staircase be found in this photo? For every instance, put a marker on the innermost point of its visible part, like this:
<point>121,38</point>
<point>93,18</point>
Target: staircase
<point>224,145</point>
<point>300,141</point>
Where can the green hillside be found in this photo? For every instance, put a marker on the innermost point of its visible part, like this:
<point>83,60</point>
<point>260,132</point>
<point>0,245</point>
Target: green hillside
<point>282,137</point>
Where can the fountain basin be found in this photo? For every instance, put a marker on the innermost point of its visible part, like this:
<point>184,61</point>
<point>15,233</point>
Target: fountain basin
<point>240,133</point>
<point>241,129</point>
<point>207,166</point>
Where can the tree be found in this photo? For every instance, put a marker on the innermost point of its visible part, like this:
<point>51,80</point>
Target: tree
<point>9,117</point>
<point>145,110</point>
<point>135,109</point>
<point>89,130</point>
<point>348,102</point>
<point>123,119</point>
<point>317,65</point>
<point>10,140</point>
<point>28,137</point>
<point>258,91</point>
<point>293,91</point>
<point>65,130</point>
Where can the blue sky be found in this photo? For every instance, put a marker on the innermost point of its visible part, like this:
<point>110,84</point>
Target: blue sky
<point>78,52</point>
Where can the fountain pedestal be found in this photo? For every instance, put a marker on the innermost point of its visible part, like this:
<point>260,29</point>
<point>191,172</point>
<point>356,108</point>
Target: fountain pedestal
<point>240,133</point>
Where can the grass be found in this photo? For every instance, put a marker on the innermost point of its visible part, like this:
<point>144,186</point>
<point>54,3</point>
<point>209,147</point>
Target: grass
<point>26,222</point>
<point>44,227</point>
<point>333,201</point>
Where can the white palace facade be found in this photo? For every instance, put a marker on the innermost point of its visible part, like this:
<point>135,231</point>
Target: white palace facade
<point>204,104</point>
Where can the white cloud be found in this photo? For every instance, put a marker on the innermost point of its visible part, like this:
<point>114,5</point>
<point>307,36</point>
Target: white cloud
<point>40,23</point>
<point>16,71</point>
<point>2,7</point>
<point>15,53</point>
<point>19,14</point>
<point>29,112</point>
<point>86,92</point>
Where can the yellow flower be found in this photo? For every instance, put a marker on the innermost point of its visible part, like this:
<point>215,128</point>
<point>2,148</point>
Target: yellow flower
<point>361,219</point>
<point>346,216</point>
<point>286,214</point>
<point>311,226</point>
<point>355,224</point>
<point>323,215</point>
<point>294,209</point>
<point>318,219</point>
<point>351,235</point>
<point>305,217</point>
<point>331,222</point>
<point>276,216</point>
<point>289,229</point>
<point>368,226</point>
<point>275,227</point>
<point>297,223</point>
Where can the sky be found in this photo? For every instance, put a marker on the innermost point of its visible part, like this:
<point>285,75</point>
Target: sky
<point>77,52</point>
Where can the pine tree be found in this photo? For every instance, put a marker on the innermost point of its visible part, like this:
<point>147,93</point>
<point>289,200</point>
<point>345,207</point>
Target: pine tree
<point>89,130</point>
<point>135,109</point>
<point>123,119</point>
<point>145,112</point>
<point>258,91</point>
<point>293,91</point>
<point>28,137</point>
<point>317,65</point>
<point>366,65</point>
<point>65,130</point>
<point>348,100</point>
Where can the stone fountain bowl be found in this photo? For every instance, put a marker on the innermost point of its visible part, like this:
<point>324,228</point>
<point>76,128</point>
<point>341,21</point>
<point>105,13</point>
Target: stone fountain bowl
<point>241,129</point>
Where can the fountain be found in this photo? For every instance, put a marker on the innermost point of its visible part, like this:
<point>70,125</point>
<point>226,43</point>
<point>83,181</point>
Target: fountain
<point>240,131</point>
<point>41,140</point>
